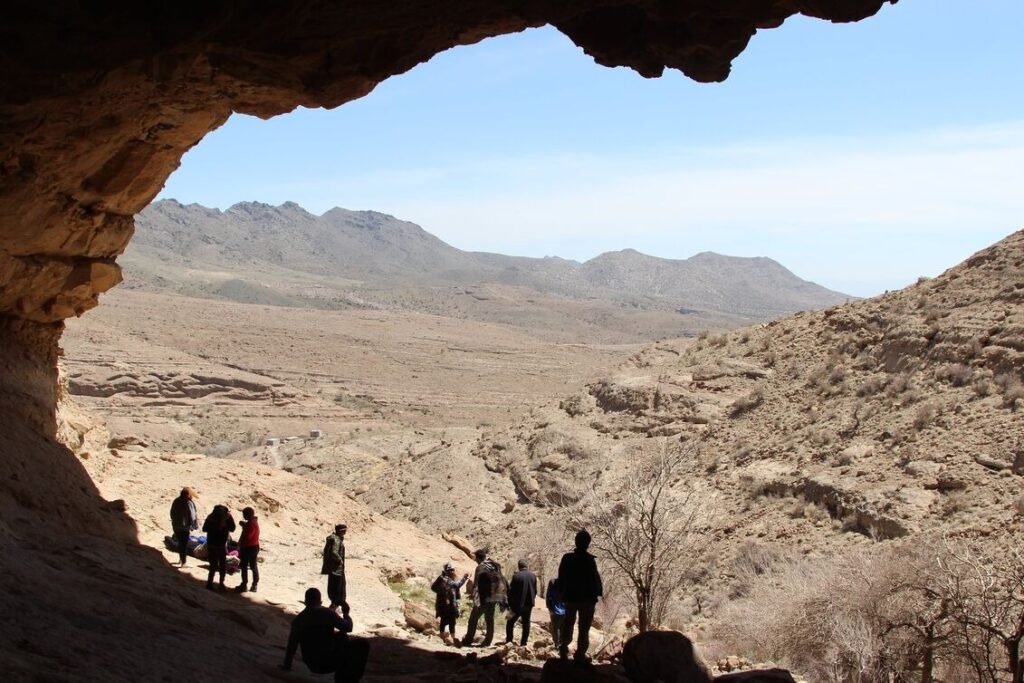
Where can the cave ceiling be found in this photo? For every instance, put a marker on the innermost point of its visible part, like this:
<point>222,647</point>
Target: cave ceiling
<point>100,100</point>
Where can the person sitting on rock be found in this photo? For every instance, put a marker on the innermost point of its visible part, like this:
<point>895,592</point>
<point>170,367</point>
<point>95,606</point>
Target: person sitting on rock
<point>489,590</point>
<point>522,593</point>
<point>446,604</point>
<point>322,635</point>
<point>218,526</point>
<point>249,550</point>
<point>581,587</point>
<point>184,520</point>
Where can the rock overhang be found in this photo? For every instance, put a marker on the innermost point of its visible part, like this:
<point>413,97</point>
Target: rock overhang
<point>101,100</point>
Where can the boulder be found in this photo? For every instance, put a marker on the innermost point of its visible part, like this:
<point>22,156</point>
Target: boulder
<point>757,676</point>
<point>561,671</point>
<point>460,543</point>
<point>665,656</point>
<point>418,618</point>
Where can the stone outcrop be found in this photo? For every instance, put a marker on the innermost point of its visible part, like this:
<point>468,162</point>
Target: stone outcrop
<point>100,100</point>
<point>666,656</point>
<point>761,676</point>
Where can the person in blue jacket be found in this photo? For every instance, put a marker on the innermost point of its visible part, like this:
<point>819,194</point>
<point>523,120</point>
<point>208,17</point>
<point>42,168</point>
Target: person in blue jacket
<point>556,609</point>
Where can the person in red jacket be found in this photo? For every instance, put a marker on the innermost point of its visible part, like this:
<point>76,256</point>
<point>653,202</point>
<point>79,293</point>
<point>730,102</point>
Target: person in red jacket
<point>248,550</point>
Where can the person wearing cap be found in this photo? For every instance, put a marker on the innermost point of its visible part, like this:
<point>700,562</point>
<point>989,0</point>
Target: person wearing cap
<point>249,550</point>
<point>522,594</point>
<point>322,636</point>
<point>446,604</point>
<point>334,566</point>
<point>184,520</point>
<point>580,583</point>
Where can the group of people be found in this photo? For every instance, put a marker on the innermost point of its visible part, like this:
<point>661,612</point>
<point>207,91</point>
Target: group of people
<point>570,597</point>
<point>322,633</point>
<point>218,527</point>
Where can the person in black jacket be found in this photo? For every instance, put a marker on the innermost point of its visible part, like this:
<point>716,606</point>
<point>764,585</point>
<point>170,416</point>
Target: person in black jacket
<point>322,634</point>
<point>218,526</point>
<point>184,520</point>
<point>581,587</point>
<point>334,566</point>
<point>522,593</point>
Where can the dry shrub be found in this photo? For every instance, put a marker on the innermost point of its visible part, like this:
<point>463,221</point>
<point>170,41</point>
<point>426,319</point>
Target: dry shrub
<point>837,375</point>
<point>816,616</point>
<point>747,403</point>
<point>925,415</point>
<point>958,374</point>
<point>925,609</point>
<point>898,384</point>
<point>821,437</point>
<point>815,513</point>
<point>753,561</point>
<point>871,386</point>
<point>1011,387</point>
<point>953,504</point>
<point>719,340</point>
<point>982,386</point>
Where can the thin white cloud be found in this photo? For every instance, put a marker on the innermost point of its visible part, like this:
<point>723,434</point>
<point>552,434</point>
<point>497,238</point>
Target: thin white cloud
<point>765,197</point>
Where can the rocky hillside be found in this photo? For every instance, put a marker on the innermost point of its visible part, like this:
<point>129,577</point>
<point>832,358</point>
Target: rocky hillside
<point>284,255</point>
<point>870,421</point>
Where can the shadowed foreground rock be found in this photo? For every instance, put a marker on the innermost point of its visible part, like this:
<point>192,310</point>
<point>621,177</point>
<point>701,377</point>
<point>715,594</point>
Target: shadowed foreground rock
<point>666,656</point>
<point>558,671</point>
<point>763,676</point>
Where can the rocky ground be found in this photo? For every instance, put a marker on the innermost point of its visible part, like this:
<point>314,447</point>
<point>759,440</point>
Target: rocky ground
<point>811,435</point>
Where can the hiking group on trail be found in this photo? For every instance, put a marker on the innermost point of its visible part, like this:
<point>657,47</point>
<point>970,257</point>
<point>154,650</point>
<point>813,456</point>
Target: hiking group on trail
<point>570,597</point>
<point>321,633</point>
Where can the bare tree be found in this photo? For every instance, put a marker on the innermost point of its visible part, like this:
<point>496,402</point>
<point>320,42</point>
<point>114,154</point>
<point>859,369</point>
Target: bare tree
<point>654,530</point>
<point>985,594</point>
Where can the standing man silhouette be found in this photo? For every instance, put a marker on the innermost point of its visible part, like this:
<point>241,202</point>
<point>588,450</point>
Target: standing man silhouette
<point>522,593</point>
<point>334,566</point>
<point>580,583</point>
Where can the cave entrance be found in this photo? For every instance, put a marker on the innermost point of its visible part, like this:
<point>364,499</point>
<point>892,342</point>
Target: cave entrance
<point>99,108</point>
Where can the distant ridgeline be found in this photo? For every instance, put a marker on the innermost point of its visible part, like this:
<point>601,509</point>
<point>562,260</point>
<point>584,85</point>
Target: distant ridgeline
<point>284,255</point>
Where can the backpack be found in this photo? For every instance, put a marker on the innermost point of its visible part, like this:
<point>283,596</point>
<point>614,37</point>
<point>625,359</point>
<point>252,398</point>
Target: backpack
<point>492,582</point>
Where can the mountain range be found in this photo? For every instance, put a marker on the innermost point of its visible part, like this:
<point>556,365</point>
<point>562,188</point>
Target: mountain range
<point>284,255</point>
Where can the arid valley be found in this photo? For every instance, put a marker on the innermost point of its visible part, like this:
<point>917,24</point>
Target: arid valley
<point>809,439</point>
<point>512,341</point>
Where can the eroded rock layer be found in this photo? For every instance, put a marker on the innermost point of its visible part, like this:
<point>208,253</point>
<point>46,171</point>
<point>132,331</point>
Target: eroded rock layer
<point>99,101</point>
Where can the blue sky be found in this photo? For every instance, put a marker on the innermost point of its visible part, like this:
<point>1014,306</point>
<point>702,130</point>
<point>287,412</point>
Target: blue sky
<point>860,156</point>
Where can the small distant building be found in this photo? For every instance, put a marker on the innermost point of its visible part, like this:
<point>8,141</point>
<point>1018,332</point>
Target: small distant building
<point>315,433</point>
<point>273,441</point>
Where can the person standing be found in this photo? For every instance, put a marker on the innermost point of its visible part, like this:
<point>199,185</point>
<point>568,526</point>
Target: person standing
<point>249,550</point>
<point>322,635</point>
<point>522,593</point>
<point>580,583</point>
<point>446,604</point>
<point>218,526</point>
<point>184,520</point>
<point>556,610</point>
<point>334,566</point>
<point>489,590</point>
